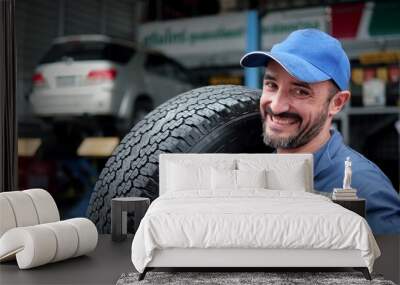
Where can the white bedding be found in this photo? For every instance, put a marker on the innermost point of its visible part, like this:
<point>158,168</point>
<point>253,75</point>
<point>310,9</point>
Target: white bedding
<point>251,218</point>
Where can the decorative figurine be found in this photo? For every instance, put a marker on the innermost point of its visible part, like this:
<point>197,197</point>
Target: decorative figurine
<point>347,174</point>
<point>347,192</point>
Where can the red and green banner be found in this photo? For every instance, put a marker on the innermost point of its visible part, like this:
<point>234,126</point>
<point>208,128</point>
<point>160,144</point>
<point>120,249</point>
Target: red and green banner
<point>346,18</point>
<point>385,19</point>
<point>365,20</point>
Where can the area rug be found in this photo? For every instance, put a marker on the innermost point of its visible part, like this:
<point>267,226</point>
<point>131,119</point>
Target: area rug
<point>269,278</point>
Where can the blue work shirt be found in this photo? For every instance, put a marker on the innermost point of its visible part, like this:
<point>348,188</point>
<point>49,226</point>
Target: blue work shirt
<point>382,200</point>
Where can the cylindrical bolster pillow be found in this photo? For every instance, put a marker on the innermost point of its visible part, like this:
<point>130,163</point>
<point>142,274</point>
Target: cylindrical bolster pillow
<point>45,205</point>
<point>87,233</point>
<point>33,246</point>
<point>26,208</point>
<point>23,208</point>
<point>67,240</point>
<point>41,244</point>
<point>7,218</point>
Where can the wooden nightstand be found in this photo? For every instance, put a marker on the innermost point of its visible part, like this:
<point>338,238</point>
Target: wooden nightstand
<point>356,205</point>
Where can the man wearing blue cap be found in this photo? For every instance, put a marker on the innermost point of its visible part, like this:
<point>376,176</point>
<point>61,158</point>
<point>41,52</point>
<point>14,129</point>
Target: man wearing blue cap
<point>306,83</point>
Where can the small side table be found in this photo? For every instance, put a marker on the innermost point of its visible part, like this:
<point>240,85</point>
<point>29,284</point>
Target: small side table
<point>356,205</point>
<point>120,208</point>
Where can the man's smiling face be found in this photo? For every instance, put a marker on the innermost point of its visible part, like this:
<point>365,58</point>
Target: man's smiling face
<point>294,113</point>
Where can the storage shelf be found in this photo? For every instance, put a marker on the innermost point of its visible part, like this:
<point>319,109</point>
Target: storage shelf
<point>348,111</point>
<point>372,110</point>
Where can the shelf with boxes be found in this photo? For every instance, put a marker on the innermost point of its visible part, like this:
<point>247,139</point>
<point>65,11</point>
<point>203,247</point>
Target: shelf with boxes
<point>371,122</point>
<point>375,89</point>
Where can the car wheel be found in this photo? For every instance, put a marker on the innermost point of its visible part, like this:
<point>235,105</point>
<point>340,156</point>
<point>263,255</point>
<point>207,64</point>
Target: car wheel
<point>210,119</point>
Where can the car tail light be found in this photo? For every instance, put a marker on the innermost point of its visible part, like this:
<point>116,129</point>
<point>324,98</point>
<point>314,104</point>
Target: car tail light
<point>102,75</point>
<point>38,80</point>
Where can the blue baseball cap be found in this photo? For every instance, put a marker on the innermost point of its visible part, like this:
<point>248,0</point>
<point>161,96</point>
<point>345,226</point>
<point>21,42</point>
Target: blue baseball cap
<point>309,55</point>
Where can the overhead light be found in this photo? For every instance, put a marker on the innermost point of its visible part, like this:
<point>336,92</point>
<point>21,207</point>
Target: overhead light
<point>28,146</point>
<point>97,146</point>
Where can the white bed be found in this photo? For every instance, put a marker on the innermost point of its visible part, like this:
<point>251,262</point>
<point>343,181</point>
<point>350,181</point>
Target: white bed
<point>249,210</point>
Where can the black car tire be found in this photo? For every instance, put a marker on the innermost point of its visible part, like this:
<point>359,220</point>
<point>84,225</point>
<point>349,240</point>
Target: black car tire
<point>224,119</point>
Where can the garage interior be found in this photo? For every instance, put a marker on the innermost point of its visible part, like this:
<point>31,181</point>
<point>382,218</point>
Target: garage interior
<point>57,153</point>
<point>370,130</point>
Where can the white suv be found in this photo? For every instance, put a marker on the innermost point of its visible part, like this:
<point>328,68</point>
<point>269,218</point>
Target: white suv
<point>98,75</point>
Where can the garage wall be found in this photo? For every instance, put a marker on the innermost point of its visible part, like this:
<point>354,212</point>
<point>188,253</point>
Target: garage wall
<point>38,22</point>
<point>36,25</point>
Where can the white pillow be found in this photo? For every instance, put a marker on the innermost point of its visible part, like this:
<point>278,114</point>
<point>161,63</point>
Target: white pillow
<point>292,179</point>
<point>186,175</point>
<point>226,179</point>
<point>183,178</point>
<point>251,178</point>
<point>223,179</point>
<point>282,174</point>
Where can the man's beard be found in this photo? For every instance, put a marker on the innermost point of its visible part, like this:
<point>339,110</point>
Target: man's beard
<point>302,137</point>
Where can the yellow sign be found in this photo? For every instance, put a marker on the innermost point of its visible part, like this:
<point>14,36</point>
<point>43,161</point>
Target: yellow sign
<point>380,57</point>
